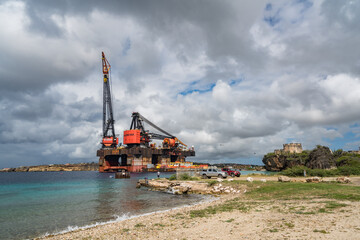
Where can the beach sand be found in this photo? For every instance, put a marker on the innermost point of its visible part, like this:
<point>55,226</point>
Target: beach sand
<point>285,219</point>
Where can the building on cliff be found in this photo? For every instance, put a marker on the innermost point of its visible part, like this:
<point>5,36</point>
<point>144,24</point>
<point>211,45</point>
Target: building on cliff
<point>355,151</point>
<point>289,148</point>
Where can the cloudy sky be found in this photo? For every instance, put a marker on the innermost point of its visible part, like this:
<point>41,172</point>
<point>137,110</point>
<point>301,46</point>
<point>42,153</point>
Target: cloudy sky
<point>236,79</point>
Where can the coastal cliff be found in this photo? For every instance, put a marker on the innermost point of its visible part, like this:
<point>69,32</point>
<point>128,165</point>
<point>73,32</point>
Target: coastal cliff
<point>319,158</point>
<point>55,168</point>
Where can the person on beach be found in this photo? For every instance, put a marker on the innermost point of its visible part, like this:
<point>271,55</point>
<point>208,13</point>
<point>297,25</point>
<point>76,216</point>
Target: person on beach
<point>158,174</point>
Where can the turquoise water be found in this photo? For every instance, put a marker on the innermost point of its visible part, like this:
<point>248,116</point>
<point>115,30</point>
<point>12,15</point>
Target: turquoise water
<point>35,203</point>
<point>255,172</point>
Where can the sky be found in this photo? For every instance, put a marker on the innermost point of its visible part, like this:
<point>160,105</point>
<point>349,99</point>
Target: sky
<point>235,79</point>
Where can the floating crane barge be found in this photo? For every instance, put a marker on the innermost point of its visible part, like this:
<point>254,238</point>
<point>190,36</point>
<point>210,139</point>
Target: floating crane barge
<point>137,153</point>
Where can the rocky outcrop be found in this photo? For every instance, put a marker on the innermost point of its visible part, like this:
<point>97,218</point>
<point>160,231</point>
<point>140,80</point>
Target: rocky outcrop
<point>274,162</point>
<point>279,162</point>
<point>321,158</point>
<point>185,187</point>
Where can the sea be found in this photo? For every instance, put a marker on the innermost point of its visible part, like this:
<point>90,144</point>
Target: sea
<point>35,204</point>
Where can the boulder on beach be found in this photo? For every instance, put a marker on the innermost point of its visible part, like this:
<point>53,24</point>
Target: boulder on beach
<point>284,179</point>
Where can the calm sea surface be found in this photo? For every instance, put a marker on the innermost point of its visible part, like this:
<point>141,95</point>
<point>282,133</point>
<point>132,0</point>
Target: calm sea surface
<point>35,203</point>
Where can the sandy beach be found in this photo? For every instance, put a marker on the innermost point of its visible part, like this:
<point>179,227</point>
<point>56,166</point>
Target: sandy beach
<point>252,219</point>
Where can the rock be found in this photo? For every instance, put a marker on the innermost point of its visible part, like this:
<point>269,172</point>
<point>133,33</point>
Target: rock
<point>284,179</point>
<point>263,180</point>
<point>321,158</point>
<point>219,180</point>
<point>249,179</point>
<point>179,190</point>
<point>343,180</point>
<point>298,180</point>
<point>274,163</point>
<point>313,179</point>
<point>231,179</point>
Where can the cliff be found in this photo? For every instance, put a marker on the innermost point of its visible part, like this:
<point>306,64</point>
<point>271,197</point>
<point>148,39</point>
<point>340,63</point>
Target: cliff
<point>55,168</point>
<point>319,158</point>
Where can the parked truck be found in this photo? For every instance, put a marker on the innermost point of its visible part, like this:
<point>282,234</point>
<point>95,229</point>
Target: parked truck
<point>213,172</point>
<point>231,172</point>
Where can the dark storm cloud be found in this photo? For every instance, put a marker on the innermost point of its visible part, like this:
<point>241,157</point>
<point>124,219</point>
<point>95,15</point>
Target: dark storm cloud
<point>230,77</point>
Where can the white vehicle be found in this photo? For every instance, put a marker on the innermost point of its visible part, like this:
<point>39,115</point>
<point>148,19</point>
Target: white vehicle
<point>213,172</point>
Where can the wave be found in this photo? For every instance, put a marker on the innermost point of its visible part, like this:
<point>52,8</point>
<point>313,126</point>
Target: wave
<point>126,216</point>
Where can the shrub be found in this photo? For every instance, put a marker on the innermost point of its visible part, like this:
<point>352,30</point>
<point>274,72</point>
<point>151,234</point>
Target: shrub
<point>186,176</point>
<point>295,171</point>
<point>211,183</point>
<point>349,170</point>
<point>172,177</point>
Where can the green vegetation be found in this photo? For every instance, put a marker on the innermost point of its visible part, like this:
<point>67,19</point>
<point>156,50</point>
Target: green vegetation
<point>159,225</point>
<point>139,225</point>
<point>345,170</point>
<point>186,177</point>
<point>228,206</point>
<point>260,194</point>
<point>290,225</point>
<point>229,220</point>
<point>183,177</point>
<point>172,177</point>
<point>293,190</point>
<point>320,231</point>
<point>212,182</point>
<point>347,163</point>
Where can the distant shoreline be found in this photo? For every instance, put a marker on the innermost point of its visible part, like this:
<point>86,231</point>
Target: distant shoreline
<point>95,167</point>
<point>55,168</point>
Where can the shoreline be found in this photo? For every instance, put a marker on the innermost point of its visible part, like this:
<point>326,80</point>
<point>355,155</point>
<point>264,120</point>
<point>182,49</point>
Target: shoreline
<point>253,219</point>
<point>124,217</point>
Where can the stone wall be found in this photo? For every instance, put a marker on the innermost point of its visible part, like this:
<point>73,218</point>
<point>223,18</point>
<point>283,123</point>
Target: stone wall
<point>292,148</point>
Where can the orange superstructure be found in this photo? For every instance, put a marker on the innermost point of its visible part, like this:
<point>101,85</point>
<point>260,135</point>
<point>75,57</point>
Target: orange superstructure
<point>132,136</point>
<point>109,141</point>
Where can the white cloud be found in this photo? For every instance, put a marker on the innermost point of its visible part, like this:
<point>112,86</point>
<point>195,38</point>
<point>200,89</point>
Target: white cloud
<point>217,75</point>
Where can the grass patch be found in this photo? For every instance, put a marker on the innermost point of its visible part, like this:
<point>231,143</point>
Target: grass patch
<point>306,213</point>
<point>187,177</point>
<point>125,230</point>
<point>139,225</point>
<point>228,206</point>
<point>229,220</point>
<point>293,190</point>
<point>320,231</point>
<point>159,225</point>
<point>333,205</point>
<point>212,182</point>
<point>323,210</point>
<point>172,177</point>
<point>274,230</point>
<point>179,216</point>
<point>289,225</point>
<point>183,177</point>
